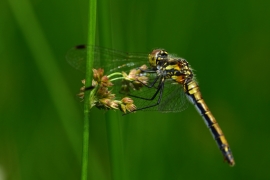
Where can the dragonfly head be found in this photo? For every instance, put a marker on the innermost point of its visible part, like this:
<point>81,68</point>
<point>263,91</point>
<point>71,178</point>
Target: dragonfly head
<point>157,56</point>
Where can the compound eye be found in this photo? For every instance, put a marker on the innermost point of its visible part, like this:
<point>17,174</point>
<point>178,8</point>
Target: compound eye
<point>154,56</point>
<point>163,54</point>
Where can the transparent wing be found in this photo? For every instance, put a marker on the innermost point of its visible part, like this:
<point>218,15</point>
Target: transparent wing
<point>108,59</point>
<point>173,98</point>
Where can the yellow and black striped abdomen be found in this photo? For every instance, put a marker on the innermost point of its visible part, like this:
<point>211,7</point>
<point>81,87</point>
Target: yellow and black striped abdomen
<point>194,95</point>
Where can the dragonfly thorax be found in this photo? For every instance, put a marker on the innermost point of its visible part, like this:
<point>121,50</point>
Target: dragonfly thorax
<point>170,67</point>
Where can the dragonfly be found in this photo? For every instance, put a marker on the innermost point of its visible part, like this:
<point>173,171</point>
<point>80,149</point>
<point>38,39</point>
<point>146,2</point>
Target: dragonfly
<point>171,84</point>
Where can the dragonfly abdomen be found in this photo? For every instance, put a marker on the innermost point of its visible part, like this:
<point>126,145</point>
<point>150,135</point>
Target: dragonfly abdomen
<point>194,95</point>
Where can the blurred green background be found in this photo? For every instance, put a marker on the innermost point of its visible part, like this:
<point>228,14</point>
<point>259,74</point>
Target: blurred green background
<point>41,122</point>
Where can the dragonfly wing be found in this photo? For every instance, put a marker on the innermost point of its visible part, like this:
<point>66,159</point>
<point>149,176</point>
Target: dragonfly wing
<point>173,98</point>
<point>108,59</point>
<point>76,57</point>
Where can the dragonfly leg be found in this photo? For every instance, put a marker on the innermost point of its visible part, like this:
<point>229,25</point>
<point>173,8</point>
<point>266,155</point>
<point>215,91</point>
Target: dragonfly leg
<point>161,83</point>
<point>152,83</point>
<point>160,90</point>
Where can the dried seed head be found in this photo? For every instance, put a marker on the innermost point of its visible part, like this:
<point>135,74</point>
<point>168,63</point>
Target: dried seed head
<point>105,81</point>
<point>97,74</point>
<point>131,107</point>
<point>127,100</point>
<point>127,105</point>
<point>103,98</point>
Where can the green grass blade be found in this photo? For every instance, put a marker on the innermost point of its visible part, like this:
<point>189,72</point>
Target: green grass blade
<point>46,64</point>
<point>115,145</point>
<point>88,78</point>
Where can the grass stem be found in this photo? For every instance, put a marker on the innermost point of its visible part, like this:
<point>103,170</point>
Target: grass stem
<point>89,67</point>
